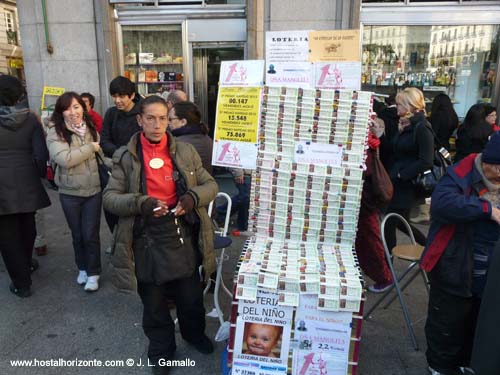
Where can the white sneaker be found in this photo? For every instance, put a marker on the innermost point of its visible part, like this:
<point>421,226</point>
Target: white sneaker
<point>82,278</point>
<point>92,284</point>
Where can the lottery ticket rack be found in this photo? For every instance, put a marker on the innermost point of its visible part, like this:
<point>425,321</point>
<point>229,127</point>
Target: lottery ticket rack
<point>298,291</point>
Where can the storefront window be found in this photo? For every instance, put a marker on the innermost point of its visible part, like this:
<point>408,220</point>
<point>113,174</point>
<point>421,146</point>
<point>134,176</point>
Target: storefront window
<point>153,58</point>
<point>460,61</point>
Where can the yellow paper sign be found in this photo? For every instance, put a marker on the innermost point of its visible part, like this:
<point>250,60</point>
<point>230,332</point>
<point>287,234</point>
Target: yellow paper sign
<point>237,114</point>
<point>334,45</point>
<point>51,91</point>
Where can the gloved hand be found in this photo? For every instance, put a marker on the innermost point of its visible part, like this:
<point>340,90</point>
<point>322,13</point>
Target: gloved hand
<point>147,206</point>
<point>185,205</point>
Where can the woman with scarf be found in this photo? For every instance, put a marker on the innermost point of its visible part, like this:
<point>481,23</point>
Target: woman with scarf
<point>73,142</point>
<point>413,154</point>
<point>23,161</point>
<point>185,124</point>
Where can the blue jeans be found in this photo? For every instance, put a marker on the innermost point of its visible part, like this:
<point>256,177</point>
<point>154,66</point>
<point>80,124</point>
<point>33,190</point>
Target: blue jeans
<point>240,204</point>
<point>83,215</point>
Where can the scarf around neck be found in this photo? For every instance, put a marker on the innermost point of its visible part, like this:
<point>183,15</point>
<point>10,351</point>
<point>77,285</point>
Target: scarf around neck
<point>78,129</point>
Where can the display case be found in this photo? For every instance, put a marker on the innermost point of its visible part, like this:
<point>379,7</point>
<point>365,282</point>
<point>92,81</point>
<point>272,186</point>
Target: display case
<point>153,58</point>
<point>458,60</point>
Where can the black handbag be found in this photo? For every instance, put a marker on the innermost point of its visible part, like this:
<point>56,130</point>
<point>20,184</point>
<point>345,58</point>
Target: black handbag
<point>104,171</point>
<point>425,182</point>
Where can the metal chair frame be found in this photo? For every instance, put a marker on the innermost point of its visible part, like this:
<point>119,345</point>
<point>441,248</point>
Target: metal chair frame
<point>220,259</point>
<point>398,280</point>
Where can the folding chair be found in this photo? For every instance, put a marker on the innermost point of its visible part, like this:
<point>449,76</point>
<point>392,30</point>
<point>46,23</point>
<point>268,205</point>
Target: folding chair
<point>407,252</point>
<point>221,241</point>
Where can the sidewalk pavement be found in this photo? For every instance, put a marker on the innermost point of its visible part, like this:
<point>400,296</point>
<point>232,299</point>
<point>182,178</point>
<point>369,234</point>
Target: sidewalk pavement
<point>60,320</point>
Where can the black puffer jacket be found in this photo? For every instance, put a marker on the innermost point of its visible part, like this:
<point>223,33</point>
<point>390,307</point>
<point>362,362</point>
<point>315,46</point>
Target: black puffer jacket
<point>23,161</point>
<point>391,121</point>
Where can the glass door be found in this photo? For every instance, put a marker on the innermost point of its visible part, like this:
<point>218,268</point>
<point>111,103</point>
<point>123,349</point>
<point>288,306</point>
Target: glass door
<point>206,68</point>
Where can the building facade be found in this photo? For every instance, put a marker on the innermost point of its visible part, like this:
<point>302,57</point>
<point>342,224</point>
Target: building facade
<point>438,46</point>
<point>11,52</point>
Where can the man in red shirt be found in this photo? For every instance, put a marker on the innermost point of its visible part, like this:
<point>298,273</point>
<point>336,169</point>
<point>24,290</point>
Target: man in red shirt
<point>89,100</point>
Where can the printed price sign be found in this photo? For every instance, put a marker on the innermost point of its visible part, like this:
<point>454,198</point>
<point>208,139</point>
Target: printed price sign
<point>237,114</point>
<point>236,127</point>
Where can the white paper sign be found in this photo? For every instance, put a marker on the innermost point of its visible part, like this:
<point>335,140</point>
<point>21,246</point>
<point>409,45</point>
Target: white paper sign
<point>244,367</point>
<point>242,73</point>
<point>234,154</point>
<point>263,330</point>
<point>317,363</point>
<point>287,46</point>
<point>318,153</point>
<point>337,75</point>
<point>290,74</point>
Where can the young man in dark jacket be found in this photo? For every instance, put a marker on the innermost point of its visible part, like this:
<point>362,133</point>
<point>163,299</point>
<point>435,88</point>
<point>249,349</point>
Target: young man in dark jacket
<point>464,229</point>
<point>120,121</point>
<point>119,124</point>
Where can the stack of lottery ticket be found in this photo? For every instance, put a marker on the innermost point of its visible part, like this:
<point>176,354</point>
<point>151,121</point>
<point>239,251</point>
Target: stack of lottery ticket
<point>294,268</point>
<point>305,197</point>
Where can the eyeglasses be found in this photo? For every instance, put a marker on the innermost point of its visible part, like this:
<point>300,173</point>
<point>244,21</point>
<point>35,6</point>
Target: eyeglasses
<point>173,118</point>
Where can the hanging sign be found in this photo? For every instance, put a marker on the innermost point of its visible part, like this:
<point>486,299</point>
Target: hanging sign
<point>242,73</point>
<point>337,75</point>
<point>287,46</point>
<point>50,91</point>
<point>286,59</point>
<point>263,330</point>
<point>236,127</point>
<point>334,45</point>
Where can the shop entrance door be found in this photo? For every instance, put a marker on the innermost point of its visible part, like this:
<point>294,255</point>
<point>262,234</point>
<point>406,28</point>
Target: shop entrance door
<point>206,68</point>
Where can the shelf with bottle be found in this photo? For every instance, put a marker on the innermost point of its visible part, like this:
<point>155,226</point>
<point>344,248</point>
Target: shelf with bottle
<point>160,82</point>
<point>148,64</point>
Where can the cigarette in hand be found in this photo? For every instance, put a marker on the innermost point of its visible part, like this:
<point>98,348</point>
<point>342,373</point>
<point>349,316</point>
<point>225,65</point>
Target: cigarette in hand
<point>157,209</point>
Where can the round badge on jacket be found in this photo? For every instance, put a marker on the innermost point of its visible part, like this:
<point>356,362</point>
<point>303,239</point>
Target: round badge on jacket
<point>156,163</point>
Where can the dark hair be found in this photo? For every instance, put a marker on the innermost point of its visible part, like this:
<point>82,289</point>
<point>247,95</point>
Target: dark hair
<point>475,116</point>
<point>62,104</point>
<point>11,90</point>
<point>90,97</point>
<point>191,113</point>
<point>442,104</point>
<point>153,99</point>
<point>391,99</point>
<point>488,109</point>
<point>176,96</point>
<point>121,86</point>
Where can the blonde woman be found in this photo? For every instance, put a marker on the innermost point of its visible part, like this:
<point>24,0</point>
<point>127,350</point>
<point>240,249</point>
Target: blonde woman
<point>413,147</point>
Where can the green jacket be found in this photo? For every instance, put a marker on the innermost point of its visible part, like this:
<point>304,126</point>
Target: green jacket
<point>122,197</point>
<point>76,172</point>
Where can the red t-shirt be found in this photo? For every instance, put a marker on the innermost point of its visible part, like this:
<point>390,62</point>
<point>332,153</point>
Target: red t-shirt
<point>159,181</point>
<point>96,119</point>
